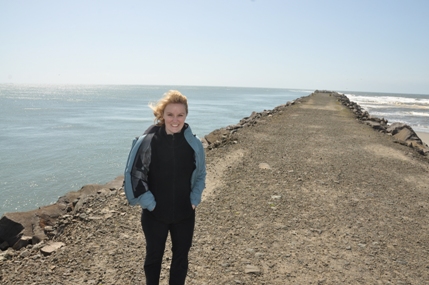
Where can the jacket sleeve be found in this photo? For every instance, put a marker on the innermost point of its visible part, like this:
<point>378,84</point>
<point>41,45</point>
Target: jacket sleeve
<point>199,175</point>
<point>147,201</point>
<point>141,194</point>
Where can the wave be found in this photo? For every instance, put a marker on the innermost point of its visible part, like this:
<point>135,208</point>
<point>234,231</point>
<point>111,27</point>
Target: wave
<point>403,107</point>
<point>388,100</point>
<point>419,114</point>
<point>401,114</point>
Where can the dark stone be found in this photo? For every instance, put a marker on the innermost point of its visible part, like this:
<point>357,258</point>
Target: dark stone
<point>375,125</point>
<point>22,242</point>
<point>4,245</point>
<point>396,127</point>
<point>10,230</point>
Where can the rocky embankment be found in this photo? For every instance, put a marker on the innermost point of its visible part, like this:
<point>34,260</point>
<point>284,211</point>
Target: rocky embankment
<point>315,191</point>
<point>403,133</point>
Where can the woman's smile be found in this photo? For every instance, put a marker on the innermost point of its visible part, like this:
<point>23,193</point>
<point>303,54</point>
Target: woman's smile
<point>174,117</point>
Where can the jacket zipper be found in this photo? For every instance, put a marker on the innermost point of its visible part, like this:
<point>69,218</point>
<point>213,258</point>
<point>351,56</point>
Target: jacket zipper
<point>174,176</point>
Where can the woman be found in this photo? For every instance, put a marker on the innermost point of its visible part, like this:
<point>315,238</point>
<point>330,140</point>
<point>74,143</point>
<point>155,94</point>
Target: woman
<point>168,180</point>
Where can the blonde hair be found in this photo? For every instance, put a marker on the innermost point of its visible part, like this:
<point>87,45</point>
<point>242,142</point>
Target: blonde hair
<point>172,96</point>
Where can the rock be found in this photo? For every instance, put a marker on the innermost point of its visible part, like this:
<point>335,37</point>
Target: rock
<point>6,255</point>
<point>49,249</point>
<point>36,239</point>
<point>264,165</point>
<point>259,254</point>
<point>212,137</point>
<point>204,142</point>
<point>4,245</point>
<point>10,229</point>
<point>375,125</point>
<point>252,269</point>
<point>48,229</point>
<point>395,128</point>
<point>234,127</point>
<point>407,134</point>
<point>401,262</point>
<point>22,242</point>
<point>24,254</point>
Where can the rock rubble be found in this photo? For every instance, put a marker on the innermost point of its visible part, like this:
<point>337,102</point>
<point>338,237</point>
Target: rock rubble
<point>403,133</point>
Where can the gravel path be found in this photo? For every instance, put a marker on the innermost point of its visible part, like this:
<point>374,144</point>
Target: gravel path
<point>306,196</point>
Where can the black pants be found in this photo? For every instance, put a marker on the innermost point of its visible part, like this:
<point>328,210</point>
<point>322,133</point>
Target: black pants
<point>156,233</point>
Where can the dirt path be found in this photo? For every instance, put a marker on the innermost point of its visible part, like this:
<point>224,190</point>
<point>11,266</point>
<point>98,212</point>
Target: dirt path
<point>306,196</point>
<point>340,204</point>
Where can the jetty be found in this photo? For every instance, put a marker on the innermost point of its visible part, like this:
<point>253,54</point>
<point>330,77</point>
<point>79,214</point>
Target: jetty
<point>315,191</point>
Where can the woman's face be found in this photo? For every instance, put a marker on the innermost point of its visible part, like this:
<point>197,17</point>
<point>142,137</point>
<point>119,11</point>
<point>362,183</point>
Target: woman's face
<point>174,117</point>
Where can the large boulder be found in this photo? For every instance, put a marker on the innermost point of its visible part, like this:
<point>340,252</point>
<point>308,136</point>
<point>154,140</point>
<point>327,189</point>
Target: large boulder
<point>396,127</point>
<point>216,136</point>
<point>10,231</point>
<point>405,135</point>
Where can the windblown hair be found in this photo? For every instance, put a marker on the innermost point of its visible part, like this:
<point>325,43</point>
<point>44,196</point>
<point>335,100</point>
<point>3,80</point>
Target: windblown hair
<point>172,96</point>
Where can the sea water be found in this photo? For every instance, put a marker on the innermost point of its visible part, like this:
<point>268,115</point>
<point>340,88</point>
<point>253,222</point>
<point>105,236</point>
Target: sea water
<point>55,139</point>
<point>411,109</point>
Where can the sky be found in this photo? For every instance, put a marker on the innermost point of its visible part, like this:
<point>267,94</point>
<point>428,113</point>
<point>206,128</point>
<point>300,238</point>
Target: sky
<point>376,45</point>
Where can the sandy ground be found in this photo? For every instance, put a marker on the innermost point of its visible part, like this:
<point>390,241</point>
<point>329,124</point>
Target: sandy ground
<point>308,195</point>
<point>424,137</point>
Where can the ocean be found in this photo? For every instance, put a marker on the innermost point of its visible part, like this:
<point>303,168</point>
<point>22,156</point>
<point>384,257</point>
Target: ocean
<point>411,109</point>
<point>55,139</point>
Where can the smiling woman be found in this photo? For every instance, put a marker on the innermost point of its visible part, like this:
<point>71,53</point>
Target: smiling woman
<point>171,111</point>
<point>168,178</point>
<point>174,118</point>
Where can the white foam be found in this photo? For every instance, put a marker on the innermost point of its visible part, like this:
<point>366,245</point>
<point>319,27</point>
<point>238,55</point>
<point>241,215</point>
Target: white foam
<point>388,100</point>
<point>419,114</point>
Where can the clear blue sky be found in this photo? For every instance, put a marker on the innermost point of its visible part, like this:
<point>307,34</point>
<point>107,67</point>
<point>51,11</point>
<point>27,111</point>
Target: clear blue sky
<point>376,45</point>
